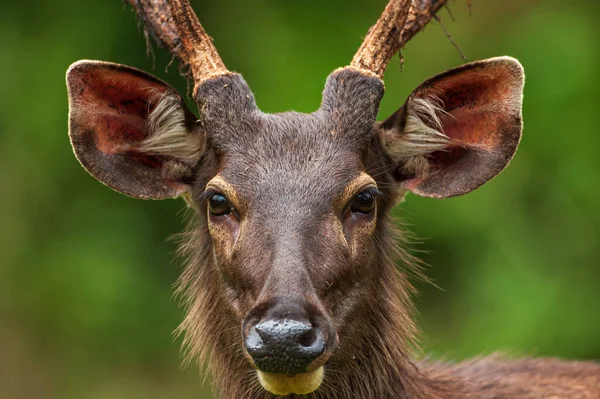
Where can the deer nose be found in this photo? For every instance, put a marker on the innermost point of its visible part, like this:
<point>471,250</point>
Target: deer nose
<point>288,335</point>
<point>284,346</point>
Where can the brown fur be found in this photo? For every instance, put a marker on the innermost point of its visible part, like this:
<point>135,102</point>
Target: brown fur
<point>382,333</point>
<point>286,174</point>
<point>292,231</point>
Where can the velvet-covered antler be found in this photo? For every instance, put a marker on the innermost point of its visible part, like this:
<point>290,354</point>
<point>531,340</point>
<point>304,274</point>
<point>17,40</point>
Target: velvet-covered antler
<point>175,25</point>
<point>399,22</point>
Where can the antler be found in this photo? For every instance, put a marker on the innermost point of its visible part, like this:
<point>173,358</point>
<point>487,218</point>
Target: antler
<point>175,25</point>
<point>398,23</point>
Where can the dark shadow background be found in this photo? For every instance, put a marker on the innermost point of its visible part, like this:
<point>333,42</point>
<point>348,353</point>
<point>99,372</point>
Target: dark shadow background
<point>86,275</point>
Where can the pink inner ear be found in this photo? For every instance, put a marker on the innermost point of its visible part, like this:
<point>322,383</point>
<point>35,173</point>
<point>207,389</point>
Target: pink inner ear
<point>475,101</point>
<point>467,128</point>
<point>482,117</point>
<point>109,104</point>
<point>116,104</point>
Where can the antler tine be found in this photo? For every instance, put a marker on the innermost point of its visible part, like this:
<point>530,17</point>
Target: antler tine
<point>381,43</point>
<point>158,22</point>
<point>175,25</point>
<point>398,23</point>
<point>419,15</point>
<point>204,60</point>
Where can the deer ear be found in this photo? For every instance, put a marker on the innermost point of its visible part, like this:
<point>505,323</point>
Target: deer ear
<point>457,130</point>
<point>130,130</point>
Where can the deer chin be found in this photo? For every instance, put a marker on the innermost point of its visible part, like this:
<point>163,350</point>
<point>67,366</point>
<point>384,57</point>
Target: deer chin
<point>299,384</point>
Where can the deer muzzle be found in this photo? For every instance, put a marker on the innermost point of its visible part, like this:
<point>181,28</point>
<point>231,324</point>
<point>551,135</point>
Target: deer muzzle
<point>288,341</point>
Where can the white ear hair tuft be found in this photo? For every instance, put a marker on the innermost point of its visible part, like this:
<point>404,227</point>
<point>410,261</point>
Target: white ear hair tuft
<point>168,132</point>
<point>423,131</point>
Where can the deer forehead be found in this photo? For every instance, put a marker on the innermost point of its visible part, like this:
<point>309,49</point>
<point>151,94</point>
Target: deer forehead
<point>292,183</point>
<point>288,155</point>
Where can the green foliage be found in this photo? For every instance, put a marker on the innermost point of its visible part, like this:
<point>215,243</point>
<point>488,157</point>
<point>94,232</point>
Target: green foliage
<point>86,306</point>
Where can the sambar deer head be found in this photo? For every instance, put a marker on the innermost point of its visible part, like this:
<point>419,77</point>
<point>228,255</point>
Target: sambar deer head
<point>291,282</point>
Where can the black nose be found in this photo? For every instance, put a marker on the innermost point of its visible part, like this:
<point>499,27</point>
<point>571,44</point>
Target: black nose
<point>285,340</point>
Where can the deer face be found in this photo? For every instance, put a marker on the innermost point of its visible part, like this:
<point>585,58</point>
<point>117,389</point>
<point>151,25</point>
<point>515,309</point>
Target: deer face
<point>291,214</point>
<point>289,226</point>
<point>292,207</point>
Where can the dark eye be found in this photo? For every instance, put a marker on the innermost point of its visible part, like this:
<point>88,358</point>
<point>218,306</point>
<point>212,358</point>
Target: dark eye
<point>363,202</point>
<point>218,205</point>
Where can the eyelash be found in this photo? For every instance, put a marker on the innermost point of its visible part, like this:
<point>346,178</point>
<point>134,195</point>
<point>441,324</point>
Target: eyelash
<point>205,196</point>
<point>374,191</point>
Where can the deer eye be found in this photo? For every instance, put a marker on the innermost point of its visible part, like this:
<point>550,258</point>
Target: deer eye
<point>218,205</point>
<point>363,202</point>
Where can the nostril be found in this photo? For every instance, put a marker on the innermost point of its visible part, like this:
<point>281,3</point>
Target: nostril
<point>312,343</point>
<point>261,331</point>
<point>307,339</point>
<point>254,342</point>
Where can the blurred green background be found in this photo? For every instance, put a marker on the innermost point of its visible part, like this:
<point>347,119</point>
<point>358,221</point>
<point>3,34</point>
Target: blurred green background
<point>86,274</point>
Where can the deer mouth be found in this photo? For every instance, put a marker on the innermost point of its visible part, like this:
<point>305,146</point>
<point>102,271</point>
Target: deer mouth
<point>288,341</point>
<point>299,384</point>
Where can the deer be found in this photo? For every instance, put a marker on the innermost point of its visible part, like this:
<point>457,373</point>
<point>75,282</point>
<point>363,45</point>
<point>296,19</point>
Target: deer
<point>291,285</point>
